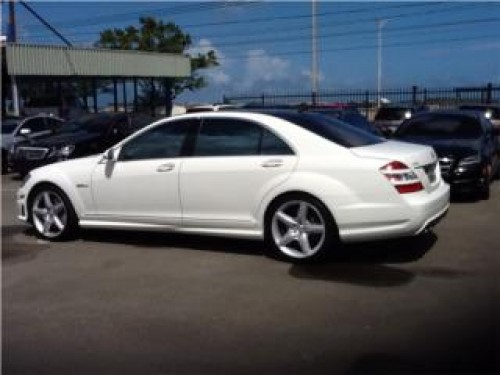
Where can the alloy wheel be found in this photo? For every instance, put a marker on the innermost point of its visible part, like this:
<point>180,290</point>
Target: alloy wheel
<point>50,214</point>
<point>298,229</point>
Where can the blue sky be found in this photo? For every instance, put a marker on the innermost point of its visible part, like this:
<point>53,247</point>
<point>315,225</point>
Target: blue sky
<point>265,46</point>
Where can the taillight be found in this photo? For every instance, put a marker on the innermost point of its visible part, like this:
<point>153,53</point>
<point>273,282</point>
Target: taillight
<point>402,177</point>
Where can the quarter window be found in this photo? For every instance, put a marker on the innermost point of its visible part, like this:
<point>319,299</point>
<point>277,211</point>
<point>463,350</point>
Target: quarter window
<point>160,142</point>
<point>272,145</point>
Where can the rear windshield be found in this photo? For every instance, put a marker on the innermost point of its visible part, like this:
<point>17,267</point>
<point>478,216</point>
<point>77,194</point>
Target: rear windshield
<point>451,126</point>
<point>391,114</point>
<point>332,129</point>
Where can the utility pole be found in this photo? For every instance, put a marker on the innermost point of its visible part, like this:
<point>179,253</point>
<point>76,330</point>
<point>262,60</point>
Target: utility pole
<point>380,25</point>
<point>314,62</point>
<point>12,38</point>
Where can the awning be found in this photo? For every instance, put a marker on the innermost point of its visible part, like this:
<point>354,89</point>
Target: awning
<point>60,61</point>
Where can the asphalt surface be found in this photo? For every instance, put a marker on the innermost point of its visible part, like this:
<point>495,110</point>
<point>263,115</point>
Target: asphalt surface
<point>152,303</point>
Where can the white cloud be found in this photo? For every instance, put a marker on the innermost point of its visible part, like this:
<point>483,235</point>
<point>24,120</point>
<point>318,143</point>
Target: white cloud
<point>217,76</point>
<point>263,68</point>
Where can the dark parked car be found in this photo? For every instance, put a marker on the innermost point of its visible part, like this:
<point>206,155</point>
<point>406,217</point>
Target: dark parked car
<point>465,143</point>
<point>87,135</point>
<point>19,129</point>
<point>390,117</point>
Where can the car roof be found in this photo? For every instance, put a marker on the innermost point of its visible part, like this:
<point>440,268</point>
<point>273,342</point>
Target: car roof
<point>479,105</point>
<point>451,112</point>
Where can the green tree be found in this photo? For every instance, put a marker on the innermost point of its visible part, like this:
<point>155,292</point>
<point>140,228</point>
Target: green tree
<point>156,36</point>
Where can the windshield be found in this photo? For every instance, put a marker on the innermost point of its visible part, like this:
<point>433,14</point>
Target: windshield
<point>495,112</point>
<point>334,130</point>
<point>8,126</point>
<point>463,127</point>
<point>86,124</point>
<point>392,113</point>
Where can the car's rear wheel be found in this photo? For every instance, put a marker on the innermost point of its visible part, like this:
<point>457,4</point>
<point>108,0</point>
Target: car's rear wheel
<point>52,214</point>
<point>299,228</point>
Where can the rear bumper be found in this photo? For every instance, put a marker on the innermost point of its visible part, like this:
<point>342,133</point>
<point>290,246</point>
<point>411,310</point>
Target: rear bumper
<point>416,213</point>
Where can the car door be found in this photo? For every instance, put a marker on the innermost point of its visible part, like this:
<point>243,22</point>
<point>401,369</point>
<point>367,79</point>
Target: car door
<point>234,164</point>
<point>142,185</point>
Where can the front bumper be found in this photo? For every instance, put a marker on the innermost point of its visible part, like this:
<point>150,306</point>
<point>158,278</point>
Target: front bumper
<point>465,178</point>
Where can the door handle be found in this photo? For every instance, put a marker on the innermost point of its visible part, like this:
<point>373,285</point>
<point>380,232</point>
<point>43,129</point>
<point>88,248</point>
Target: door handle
<point>272,163</point>
<point>165,167</point>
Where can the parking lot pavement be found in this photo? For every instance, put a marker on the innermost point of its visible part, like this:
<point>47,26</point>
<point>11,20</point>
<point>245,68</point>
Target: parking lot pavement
<point>114,302</point>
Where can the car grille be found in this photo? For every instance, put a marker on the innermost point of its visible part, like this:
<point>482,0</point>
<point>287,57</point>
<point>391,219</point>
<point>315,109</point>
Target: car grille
<point>31,153</point>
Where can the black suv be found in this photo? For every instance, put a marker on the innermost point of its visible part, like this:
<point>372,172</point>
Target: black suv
<point>87,135</point>
<point>465,143</point>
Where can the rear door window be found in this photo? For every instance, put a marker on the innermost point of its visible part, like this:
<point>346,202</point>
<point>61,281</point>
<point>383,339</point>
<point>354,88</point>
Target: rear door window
<point>236,137</point>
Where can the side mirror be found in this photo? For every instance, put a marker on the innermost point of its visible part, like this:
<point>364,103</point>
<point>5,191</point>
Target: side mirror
<point>109,155</point>
<point>25,131</point>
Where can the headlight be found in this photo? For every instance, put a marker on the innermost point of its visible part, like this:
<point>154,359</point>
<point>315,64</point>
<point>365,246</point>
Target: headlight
<point>61,153</point>
<point>474,159</point>
<point>66,151</point>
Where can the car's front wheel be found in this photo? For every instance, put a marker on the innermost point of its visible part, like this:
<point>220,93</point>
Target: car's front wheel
<point>52,214</point>
<point>300,229</point>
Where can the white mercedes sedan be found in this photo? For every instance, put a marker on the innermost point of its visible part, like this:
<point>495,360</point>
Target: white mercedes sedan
<point>302,182</point>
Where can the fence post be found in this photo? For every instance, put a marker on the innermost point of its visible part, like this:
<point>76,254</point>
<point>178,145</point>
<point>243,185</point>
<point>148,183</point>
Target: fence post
<point>489,92</point>
<point>425,97</point>
<point>367,104</point>
<point>314,98</point>
<point>263,98</point>
<point>414,90</point>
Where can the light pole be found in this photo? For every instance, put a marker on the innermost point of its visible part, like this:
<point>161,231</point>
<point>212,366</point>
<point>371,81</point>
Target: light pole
<point>380,25</point>
<point>12,38</point>
<point>314,61</point>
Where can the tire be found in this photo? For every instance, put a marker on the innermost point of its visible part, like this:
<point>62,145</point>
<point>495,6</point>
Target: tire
<point>52,214</point>
<point>484,192</point>
<point>300,229</point>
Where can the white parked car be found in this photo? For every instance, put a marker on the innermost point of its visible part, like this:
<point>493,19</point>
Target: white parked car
<point>301,181</point>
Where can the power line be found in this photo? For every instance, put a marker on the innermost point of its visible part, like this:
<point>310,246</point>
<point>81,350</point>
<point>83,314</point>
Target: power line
<point>350,22</point>
<point>359,32</point>
<point>45,23</point>
<point>364,47</point>
<point>266,31</point>
<point>184,9</point>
